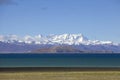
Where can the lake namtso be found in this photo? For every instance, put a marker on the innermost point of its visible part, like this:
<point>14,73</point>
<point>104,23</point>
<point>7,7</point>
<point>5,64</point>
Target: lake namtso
<point>60,60</point>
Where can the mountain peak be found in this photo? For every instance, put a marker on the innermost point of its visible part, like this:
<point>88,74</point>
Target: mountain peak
<point>69,39</point>
<point>59,43</point>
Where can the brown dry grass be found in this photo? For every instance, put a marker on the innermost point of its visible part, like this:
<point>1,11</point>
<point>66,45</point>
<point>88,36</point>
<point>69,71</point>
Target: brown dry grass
<point>61,75</point>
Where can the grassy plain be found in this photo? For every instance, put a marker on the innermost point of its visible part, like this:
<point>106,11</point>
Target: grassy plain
<point>60,75</point>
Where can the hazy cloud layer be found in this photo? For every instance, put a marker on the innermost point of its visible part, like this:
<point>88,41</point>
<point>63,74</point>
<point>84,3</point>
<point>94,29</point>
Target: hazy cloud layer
<point>7,2</point>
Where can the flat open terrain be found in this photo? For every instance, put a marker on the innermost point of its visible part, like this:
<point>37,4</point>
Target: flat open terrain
<point>87,75</point>
<point>59,75</point>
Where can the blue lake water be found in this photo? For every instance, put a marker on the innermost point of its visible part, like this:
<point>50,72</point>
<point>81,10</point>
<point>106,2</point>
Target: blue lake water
<point>59,60</point>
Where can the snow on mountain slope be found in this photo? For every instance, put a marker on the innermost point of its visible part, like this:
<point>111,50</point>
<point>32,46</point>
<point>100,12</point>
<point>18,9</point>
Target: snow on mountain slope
<point>69,39</point>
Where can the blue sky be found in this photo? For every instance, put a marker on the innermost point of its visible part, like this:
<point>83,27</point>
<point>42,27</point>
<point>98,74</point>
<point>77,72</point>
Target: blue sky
<point>96,19</point>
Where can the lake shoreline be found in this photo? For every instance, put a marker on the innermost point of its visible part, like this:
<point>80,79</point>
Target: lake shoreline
<point>46,69</point>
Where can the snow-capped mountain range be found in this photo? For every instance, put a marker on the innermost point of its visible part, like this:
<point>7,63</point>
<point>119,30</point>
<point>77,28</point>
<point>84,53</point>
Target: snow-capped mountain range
<point>14,43</point>
<point>69,39</point>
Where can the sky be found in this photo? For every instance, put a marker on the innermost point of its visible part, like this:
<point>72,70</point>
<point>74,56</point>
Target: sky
<point>95,19</point>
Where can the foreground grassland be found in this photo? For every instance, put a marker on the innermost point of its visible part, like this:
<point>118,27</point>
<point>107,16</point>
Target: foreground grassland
<point>61,75</point>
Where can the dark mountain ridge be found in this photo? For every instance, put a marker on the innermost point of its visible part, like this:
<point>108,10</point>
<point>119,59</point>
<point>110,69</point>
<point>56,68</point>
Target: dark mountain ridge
<point>28,48</point>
